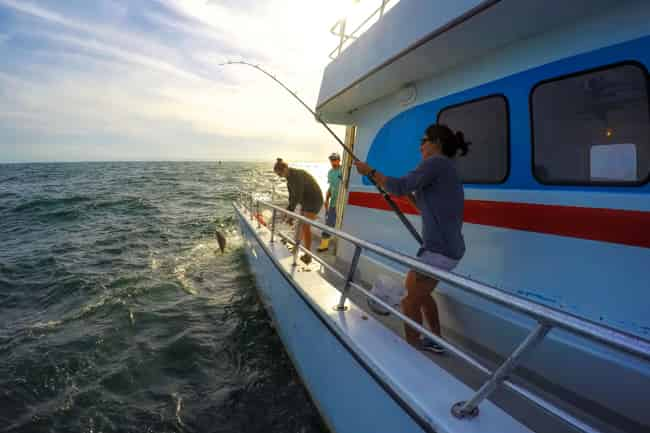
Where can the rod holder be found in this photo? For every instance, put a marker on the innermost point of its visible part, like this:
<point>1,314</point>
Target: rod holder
<point>458,411</point>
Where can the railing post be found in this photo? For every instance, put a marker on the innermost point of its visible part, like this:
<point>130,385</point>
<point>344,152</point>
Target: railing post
<point>257,214</point>
<point>342,35</point>
<point>296,239</point>
<point>383,5</point>
<point>273,226</point>
<point>348,280</point>
<point>469,409</point>
<point>250,209</point>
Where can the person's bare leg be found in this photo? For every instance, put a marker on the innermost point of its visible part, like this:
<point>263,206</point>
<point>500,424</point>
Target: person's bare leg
<point>306,236</point>
<point>417,301</point>
<point>429,306</point>
<point>412,308</point>
<point>306,230</point>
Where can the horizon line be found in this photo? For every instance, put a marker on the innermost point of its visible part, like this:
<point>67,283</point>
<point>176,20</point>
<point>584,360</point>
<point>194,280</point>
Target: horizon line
<point>147,160</point>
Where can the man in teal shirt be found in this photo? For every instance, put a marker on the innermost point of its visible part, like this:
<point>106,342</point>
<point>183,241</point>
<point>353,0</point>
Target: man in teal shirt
<point>334,177</point>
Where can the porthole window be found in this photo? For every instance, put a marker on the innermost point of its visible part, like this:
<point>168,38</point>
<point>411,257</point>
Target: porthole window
<point>484,122</point>
<point>592,127</point>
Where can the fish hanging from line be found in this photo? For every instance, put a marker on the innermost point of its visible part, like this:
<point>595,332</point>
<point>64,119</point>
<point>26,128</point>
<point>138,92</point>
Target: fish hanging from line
<point>221,240</point>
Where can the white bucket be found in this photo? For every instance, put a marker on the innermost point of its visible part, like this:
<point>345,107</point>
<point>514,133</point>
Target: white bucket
<point>389,291</point>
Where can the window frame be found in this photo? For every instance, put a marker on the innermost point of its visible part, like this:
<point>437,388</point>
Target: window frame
<point>502,96</point>
<point>646,75</point>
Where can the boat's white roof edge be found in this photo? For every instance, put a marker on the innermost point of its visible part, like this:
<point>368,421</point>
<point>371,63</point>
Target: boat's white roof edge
<point>429,390</point>
<point>416,40</point>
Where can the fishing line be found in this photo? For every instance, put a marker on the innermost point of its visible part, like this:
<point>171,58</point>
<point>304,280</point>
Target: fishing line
<point>383,193</point>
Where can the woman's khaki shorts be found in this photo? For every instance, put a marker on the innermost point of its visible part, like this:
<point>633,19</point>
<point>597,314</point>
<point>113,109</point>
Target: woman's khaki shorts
<point>436,260</point>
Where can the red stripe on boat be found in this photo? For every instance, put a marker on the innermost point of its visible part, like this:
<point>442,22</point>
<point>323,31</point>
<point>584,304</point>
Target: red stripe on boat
<point>607,225</point>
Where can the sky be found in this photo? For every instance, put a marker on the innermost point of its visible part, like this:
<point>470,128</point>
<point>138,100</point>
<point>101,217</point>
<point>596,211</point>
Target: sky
<point>140,80</point>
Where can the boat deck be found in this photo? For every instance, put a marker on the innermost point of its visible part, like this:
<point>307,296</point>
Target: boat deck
<point>523,410</point>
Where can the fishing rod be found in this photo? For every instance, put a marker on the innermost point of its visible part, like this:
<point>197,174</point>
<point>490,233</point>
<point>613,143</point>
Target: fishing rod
<point>381,190</point>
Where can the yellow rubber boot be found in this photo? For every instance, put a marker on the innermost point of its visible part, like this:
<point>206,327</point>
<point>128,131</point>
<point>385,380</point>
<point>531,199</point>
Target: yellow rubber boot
<point>324,245</point>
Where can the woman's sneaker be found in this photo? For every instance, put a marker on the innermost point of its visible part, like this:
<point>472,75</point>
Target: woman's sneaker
<point>429,345</point>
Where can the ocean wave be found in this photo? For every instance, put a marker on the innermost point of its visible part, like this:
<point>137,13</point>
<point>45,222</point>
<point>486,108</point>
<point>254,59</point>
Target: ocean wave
<point>48,325</point>
<point>69,214</point>
<point>4,195</point>
<point>103,304</point>
<point>132,203</point>
<point>47,203</point>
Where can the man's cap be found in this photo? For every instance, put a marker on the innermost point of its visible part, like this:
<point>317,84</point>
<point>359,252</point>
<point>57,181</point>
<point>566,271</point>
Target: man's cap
<point>335,157</point>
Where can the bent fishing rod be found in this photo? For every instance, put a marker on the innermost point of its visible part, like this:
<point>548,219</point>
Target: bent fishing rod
<point>381,190</point>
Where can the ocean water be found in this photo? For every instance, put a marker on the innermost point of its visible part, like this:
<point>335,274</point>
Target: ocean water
<point>118,313</point>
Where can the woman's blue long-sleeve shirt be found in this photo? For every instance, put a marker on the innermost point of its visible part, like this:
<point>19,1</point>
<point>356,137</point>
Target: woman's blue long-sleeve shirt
<point>440,199</point>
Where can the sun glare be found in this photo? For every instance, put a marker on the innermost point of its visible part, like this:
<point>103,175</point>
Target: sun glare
<point>344,8</point>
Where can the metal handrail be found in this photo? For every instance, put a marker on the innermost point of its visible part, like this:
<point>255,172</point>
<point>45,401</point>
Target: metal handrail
<point>344,37</point>
<point>546,317</point>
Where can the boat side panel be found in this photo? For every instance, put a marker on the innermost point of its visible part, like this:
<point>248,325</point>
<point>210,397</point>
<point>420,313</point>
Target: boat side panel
<point>602,281</point>
<point>605,28</point>
<point>390,154</point>
<point>598,275</point>
<point>490,28</point>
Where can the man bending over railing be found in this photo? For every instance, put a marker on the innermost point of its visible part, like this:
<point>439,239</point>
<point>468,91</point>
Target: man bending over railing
<point>303,191</point>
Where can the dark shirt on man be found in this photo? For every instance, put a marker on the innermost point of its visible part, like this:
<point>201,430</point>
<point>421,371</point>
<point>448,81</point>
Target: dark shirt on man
<point>304,191</point>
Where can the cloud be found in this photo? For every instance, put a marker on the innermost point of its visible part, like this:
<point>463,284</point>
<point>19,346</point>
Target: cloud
<point>185,27</point>
<point>106,40</point>
<point>147,79</point>
<point>35,11</point>
<point>124,55</point>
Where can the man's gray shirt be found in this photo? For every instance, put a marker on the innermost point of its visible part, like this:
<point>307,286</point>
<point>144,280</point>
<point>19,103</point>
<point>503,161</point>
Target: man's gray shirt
<point>440,199</point>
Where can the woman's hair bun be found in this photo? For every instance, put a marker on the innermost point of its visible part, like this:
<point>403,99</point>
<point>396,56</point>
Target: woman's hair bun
<point>463,146</point>
<point>453,143</point>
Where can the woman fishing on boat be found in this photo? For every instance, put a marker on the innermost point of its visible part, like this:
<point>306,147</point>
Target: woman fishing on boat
<point>303,191</point>
<point>435,188</point>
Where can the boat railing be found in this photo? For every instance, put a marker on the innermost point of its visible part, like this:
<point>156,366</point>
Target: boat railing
<point>339,28</point>
<point>545,318</point>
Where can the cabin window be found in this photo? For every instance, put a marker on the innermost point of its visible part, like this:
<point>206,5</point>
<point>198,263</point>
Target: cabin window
<point>592,128</point>
<point>485,124</point>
